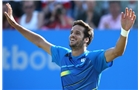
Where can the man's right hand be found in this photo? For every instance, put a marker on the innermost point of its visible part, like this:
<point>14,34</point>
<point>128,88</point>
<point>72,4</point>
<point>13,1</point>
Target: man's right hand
<point>9,15</point>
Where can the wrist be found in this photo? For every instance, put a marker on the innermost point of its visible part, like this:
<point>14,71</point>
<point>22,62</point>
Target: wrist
<point>124,32</point>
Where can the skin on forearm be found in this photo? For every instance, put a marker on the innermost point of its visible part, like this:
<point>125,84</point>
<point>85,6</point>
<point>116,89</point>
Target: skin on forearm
<point>121,45</point>
<point>116,51</point>
<point>34,38</point>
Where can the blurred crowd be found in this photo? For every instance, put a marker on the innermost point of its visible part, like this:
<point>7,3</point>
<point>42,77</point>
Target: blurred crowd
<point>60,14</point>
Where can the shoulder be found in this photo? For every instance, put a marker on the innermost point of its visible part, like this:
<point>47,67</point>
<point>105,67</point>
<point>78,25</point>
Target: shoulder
<point>60,49</point>
<point>95,53</point>
<point>58,53</point>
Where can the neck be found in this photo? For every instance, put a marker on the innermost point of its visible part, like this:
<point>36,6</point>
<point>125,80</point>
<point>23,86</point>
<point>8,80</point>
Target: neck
<point>77,52</point>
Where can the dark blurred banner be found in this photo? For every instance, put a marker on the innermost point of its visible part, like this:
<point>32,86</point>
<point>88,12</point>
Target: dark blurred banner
<point>25,66</point>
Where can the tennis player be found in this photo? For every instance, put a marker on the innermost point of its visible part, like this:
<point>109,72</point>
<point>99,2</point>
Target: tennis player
<point>80,68</point>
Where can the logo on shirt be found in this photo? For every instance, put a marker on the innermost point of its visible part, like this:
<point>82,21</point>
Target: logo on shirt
<point>64,73</point>
<point>83,59</point>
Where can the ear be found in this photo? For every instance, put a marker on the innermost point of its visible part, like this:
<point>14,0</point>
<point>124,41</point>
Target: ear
<point>86,40</point>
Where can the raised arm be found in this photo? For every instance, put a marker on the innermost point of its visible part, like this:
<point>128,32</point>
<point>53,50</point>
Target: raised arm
<point>127,21</point>
<point>33,37</point>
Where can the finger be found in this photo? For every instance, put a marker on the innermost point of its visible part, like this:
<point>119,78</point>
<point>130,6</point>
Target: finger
<point>126,11</point>
<point>130,12</point>
<point>9,9</point>
<point>134,18</point>
<point>123,15</point>
<point>6,14</point>
<point>133,13</point>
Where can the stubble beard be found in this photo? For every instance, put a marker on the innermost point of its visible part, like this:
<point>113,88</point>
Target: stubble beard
<point>77,46</point>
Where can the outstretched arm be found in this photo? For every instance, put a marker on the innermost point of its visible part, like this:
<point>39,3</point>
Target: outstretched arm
<point>127,21</point>
<point>33,37</point>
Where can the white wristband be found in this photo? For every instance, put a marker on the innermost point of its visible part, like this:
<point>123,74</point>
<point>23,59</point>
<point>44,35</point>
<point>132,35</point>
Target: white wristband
<point>124,32</point>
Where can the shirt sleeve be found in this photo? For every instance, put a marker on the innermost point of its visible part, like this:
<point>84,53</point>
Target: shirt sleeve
<point>57,53</point>
<point>99,61</point>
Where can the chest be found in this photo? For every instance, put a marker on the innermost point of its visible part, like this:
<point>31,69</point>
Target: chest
<point>77,73</point>
<point>76,68</point>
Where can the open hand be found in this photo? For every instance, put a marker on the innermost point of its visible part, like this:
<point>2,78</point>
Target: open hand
<point>128,19</point>
<point>9,15</point>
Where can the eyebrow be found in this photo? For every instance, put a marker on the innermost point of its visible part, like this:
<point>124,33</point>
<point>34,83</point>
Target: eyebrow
<point>75,31</point>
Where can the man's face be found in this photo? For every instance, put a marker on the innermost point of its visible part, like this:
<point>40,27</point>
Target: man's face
<point>28,6</point>
<point>114,8</point>
<point>77,36</point>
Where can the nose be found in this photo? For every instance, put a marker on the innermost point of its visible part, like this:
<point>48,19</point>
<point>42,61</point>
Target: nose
<point>72,35</point>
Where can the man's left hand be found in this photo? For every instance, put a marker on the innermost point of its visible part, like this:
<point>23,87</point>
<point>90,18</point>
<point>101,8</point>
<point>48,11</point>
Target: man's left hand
<point>128,19</point>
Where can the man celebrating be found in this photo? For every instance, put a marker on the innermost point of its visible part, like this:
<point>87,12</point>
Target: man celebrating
<point>80,68</point>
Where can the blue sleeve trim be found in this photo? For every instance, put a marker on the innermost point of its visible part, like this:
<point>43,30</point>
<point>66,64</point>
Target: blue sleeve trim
<point>109,64</point>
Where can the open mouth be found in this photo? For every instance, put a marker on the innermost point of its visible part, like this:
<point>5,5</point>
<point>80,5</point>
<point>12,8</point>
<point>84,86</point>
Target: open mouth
<point>72,40</point>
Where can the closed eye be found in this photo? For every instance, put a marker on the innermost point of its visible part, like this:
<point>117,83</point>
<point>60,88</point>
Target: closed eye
<point>77,33</point>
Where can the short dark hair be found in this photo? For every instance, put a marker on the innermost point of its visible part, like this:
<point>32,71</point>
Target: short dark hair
<point>88,32</point>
